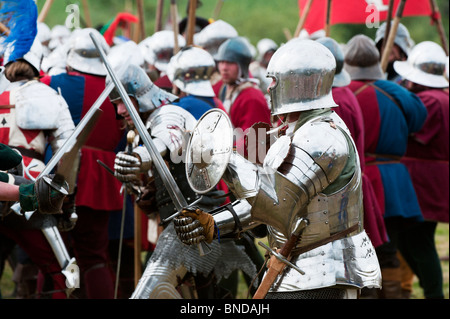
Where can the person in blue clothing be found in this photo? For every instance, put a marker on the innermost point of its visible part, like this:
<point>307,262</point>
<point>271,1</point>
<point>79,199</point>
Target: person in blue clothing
<point>391,114</point>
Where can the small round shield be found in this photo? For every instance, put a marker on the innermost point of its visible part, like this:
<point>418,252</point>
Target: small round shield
<point>209,150</point>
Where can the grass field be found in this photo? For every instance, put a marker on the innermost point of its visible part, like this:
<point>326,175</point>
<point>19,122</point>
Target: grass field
<point>442,244</point>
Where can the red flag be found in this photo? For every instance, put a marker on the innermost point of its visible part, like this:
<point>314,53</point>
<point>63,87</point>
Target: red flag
<point>358,12</point>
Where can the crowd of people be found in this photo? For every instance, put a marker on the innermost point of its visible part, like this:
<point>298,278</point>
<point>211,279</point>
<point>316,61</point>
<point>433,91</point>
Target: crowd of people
<point>350,180</point>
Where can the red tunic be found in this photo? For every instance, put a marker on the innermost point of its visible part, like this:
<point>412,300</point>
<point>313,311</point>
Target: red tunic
<point>350,112</point>
<point>96,187</point>
<point>427,157</point>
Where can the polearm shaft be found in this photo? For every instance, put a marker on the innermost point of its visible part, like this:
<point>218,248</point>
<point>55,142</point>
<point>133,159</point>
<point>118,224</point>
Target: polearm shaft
<point>171,186</point>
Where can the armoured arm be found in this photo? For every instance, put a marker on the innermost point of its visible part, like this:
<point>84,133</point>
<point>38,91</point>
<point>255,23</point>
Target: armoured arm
<point>128,167</point>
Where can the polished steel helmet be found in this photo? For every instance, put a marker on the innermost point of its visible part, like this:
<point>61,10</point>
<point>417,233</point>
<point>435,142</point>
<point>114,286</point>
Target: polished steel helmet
<point>83,55</point>
<point>190,70</point>
<point>425,65</point>
<point>341,78</point>
<point>402,38</point>
<point>59,35</point>
<point>138,85</point>
<point>34,56</point>
<point>159,48</point>
<point>303,71</point>
<point>236,50</point>
<point>124,53</point>
<point>213,35</point>
<point>43,32</point>
<point>265,45</point>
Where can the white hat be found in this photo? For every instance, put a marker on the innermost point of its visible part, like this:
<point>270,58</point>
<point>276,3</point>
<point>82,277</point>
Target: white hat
<point>425,65</point>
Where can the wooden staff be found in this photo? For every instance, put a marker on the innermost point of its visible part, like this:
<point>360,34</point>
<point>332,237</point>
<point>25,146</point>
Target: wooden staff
<point>435,15</point>
<point>140,8</point>
<point>137,245</point>
<point>302,20</point>
<point>328,21</point>
<point>287,33</point>
<point>176,31</point>
<point>390,41</point>
<point>388,23</point>
<point>86,14</point>
<point>159,12</point>
<point>191,22</point>
<point>217,9</point>
<point>44,11</point>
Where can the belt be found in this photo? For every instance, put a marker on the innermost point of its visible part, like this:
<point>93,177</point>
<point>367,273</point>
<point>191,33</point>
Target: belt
<point>336,236</point>
<point>29,153</point>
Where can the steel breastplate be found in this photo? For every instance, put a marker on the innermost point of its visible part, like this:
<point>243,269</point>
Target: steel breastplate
<point>328,214</point>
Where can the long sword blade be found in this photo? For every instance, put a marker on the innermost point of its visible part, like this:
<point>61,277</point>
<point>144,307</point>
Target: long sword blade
<point>167,178</point>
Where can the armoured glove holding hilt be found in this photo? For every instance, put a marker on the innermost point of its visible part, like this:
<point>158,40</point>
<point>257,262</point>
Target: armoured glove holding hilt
<point>42,197</point>
<point>194,226</point>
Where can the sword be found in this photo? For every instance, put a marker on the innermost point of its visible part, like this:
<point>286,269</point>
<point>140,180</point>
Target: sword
<point>279,260</point>
<point>75,139</point>
<point>167,178</point>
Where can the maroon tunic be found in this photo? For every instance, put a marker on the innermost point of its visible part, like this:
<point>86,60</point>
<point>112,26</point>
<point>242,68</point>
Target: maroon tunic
<point>350,112</point>
<point>427,157</point>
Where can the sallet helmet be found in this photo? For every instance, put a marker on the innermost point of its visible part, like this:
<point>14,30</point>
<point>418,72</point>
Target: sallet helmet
<point>158,49</point>
<point>265,45</point>
<point>83,55</point>
<point>191,69</point>
<point>213,35</point>
<point>137,84</point>
<point>303,71</point>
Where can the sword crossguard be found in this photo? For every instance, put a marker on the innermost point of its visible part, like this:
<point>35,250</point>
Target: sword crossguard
<point>280,257</point>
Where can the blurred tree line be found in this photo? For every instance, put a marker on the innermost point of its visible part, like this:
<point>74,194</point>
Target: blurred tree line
<point>254,19</point>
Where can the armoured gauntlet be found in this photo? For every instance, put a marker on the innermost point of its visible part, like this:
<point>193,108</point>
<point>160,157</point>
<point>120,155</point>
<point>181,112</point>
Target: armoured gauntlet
<point>42,197</point>
<point>194,225</point>
<point>127,167</point>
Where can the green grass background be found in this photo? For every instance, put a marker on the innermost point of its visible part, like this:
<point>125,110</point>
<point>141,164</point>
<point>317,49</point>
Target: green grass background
<point>254,19</point>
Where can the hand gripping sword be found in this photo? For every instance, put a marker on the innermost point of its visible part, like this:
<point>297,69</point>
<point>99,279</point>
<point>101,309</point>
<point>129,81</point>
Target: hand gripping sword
<point>167,178</point>
<point>64,157</point>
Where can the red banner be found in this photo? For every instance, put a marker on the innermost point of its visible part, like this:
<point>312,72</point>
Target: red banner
<point>368,12</point>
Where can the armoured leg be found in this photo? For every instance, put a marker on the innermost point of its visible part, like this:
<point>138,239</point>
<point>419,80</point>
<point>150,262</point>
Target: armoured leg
<point>159,281</point>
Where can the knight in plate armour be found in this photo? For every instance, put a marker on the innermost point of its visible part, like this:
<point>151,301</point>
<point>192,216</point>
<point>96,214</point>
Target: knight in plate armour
<point>169,120</point>
<point>307,190</point>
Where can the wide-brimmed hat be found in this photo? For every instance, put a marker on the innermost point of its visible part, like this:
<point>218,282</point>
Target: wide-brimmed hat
<point>425,65</point>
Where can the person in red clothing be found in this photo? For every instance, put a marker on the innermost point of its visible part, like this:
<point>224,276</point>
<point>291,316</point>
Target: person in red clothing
<point>97,192</point>
<point>23,104</point>
<point>391,113</point>
<point>245,104</point>
<point>427,158</point>
<point>350,112</point>
<point>243,100</point>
